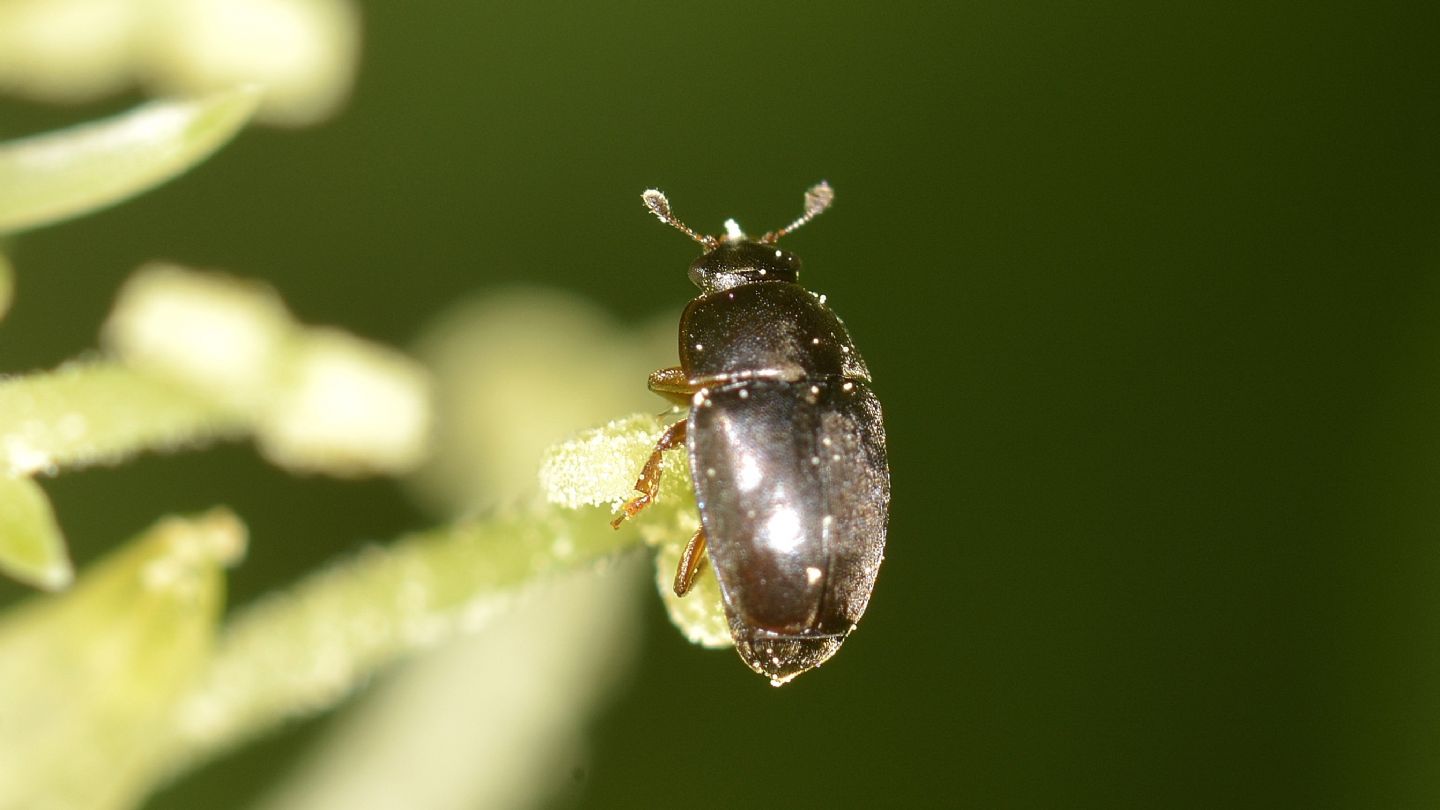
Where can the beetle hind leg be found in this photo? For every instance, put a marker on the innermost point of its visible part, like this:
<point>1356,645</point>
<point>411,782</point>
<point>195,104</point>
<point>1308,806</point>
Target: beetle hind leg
<point>690,560</point>
<point>648,484</point>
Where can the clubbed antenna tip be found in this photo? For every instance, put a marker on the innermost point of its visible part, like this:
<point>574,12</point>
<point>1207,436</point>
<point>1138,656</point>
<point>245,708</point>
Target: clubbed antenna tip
<point>660,206</point>
<point>817,199</point>
<point>657,203</point>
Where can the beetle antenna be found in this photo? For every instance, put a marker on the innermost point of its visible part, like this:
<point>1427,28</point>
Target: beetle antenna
<point>660,207</point>
<point>817,199</point>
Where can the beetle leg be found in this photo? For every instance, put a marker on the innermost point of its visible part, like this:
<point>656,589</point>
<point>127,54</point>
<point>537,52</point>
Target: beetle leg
<point>690,560</point>
<point>673,384</point>
<point>648,484</point>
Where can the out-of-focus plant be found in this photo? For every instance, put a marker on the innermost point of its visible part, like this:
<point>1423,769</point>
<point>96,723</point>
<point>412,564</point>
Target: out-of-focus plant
<point>128,678</point>
<point>80,674</point>
<point>302,53</point>
<point>56,176</point>
<point>66,417</point>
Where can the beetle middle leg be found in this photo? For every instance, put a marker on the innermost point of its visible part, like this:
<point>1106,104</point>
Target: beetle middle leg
<point>648,484</point>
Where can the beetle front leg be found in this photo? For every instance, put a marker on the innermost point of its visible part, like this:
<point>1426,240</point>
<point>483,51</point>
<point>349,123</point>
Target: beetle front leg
<point>648,484</point>
<point>673,384</point>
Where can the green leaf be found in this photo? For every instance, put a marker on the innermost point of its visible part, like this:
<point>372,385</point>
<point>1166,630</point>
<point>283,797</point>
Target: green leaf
<point>31,547</point>
<point>55,176</point>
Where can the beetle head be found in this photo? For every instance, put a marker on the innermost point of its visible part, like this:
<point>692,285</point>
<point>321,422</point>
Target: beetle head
<point>730,264</point>
<point>735,259</point>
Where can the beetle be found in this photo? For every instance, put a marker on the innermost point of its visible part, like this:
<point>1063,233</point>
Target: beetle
<point>786,449</point>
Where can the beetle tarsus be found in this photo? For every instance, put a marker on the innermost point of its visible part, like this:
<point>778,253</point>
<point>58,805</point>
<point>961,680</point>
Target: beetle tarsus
<point>630,509</point>
<point>648,484</point>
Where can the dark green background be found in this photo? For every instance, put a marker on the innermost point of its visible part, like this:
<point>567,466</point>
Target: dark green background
<point>1150,291</point>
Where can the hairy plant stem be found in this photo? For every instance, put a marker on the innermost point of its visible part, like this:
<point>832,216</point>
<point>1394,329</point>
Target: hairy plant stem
<point>303,650</point>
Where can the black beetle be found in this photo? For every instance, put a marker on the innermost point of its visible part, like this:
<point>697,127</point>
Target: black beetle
<point>786,446</point>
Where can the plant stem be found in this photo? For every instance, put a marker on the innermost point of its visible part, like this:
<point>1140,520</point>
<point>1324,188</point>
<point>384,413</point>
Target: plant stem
<point>303,650</point>
<point>99,411</point>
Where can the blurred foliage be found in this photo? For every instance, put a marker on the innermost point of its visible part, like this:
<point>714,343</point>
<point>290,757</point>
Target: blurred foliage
<point>121,666</point>
<point>302,51</point>
<point>88,678</point>
<point>53,177</point>
<point>31,547</point>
